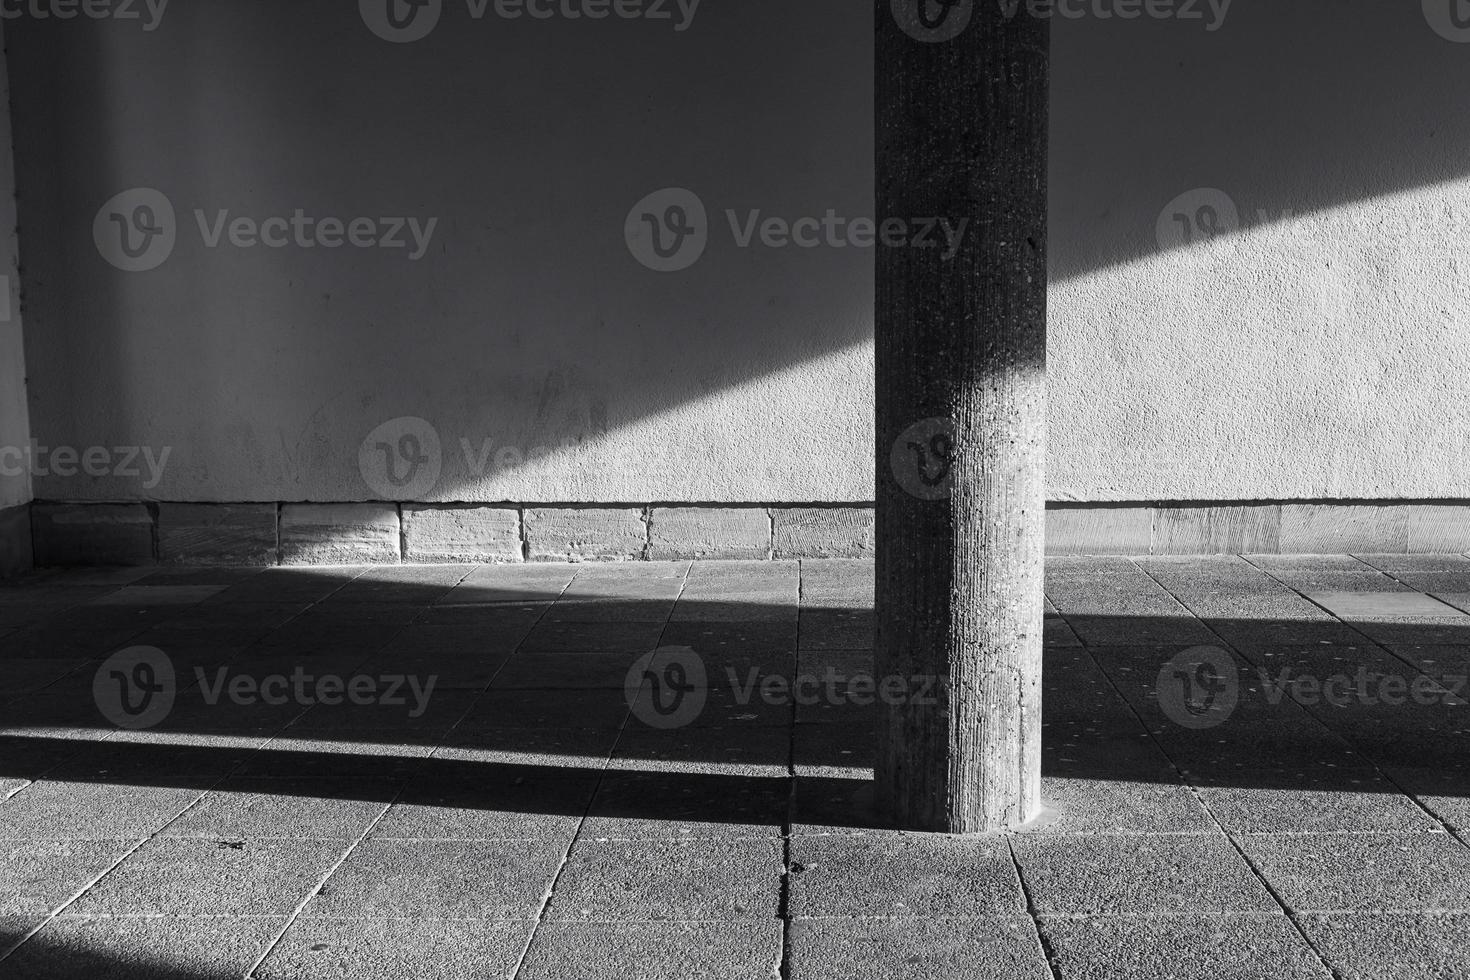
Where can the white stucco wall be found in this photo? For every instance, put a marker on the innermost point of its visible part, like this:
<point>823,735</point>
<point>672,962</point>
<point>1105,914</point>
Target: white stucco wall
<point>15,481</point>
<point>1319,352</point>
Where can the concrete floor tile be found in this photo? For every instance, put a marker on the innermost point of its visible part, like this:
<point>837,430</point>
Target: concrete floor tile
<point>344,755</point>
<point>397,879</point>
<point>1311,801</point>
<point>687,806</point>
<point>1444,792</point>
<point>520,708</point>
<point>1181,947</point>
<point>1393,945</point>
<point>1365,872</point>
<point>135,948</point>
<point>565,671</point>
<point>1374,605</point>
<point>530,806</point>
<point>749,950</point>
<point>834,752</point>
<point>637,638</point>
<point>744,752</point>
<point>1138,875</point>
<point>39,877</point>
<point>59,810</point>
<point>902,876</point>
<point>266,809</point>
<point>571,748</point>
<point>1118,806</point>
<point>988,948</point>
<point>651,881</point>
<point>401,949</point>
<point>182,876</point>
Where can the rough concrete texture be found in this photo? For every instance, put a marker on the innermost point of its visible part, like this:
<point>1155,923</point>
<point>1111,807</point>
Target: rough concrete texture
<point>1317,529</point>
<point>586,534</point>
<point>181,876</point>
<point>1222,530</point>
<point>340,534</point>
<point>92,534</point>
<point>15,432</point>
<point>1182,946</point>
<point>217,534</point>
<point>1363,872</point>
<point>1098,531</point>
<point>749,376</point>
<point>461,534</point>
<point>145,948</point>
<point>1393,945</point>
<point>641,881</point>
<point>818,532</point>
<point>407,949</point>
<point>709,533</point>
<point>687,950</point>
<point>396,879</point>
<point>17,553</point>
<point>986,948</point>
<point>745,843</point>
<point>905,876</point>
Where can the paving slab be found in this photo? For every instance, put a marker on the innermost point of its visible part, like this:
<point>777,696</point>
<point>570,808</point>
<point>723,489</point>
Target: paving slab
<point>652,881</point>
<point>1392,945</point>
<point>401,949</point>
<point>403,879</point>
<point>1000,947</point>
<point>138,948</point>
<point>288,809</point>
<point>1374,605</point>
<point>1364,872</point>
<point>902,876</point>
<point>1181,947</point>
<point>529,806</point>
<point>1117,806</point>
<point>1311,801</point>
<point>749,950</point>
<point>183,876</point>
<point>1138,875</point>
<point>39,877</point>
<point>687,806</point>
<point>471,752</point>
<point>60,810</point>
<point>612,637</point>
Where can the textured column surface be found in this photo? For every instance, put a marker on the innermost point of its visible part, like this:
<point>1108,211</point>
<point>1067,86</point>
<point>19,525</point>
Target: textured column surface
<point>961,112</point>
